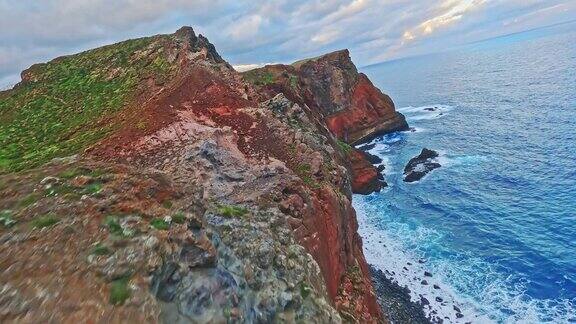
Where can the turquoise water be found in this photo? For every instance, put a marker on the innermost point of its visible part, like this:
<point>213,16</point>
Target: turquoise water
<point>496,224</point>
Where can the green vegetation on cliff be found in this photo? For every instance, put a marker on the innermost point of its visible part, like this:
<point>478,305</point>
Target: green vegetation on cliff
<point>65,105</point>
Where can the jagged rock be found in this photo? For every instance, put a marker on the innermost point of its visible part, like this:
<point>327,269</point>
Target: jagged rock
<point>269,231</point>
<point>200,253</point>
<point>420,165</point>
<point>353,108</point>
<point>365,177</point>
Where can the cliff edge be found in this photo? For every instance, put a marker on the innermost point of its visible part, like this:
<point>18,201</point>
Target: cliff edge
<point>149,181</point>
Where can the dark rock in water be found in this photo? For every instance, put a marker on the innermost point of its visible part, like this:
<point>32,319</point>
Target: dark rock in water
<point>427,274</point>
<point>424,282</point>
<point>367,147</point>
<point>424,301</point>
<point>372,158</point>
<point>380,168</point>
<point>459,315</point>
<point>436,287</point>
<point>431,108</point>
<point>456,308</point>
<point>420,165</point>
<point>395,300</point>
<point>439,299</point>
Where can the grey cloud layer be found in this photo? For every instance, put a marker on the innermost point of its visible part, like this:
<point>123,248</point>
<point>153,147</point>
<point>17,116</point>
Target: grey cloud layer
<point>256,31</point>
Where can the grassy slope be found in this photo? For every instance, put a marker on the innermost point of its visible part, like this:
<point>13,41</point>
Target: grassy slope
<point>58,113</point>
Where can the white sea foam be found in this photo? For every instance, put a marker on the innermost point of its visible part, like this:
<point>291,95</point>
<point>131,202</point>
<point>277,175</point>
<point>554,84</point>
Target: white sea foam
<point>425,112</point>
<point>405,269</point>
<point>489,297</point>
<point>425,109</point>
<point>448,160</point>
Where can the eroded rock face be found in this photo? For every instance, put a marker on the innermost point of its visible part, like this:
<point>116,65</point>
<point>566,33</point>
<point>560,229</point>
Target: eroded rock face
<point>352,107</point>
<point>365,178</point>
<point>343,99</point>
<point>269,231</point>
<point>420,165</point>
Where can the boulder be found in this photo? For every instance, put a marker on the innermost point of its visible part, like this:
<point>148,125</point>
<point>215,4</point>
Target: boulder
<point>420,165</point>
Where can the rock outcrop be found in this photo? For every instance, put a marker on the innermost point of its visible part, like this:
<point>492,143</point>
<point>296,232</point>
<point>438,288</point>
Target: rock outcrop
<point>365,177</point>
<point>352,107</point>
<point>339,97</point>
<point>420,165</point>
<point>197,196</point>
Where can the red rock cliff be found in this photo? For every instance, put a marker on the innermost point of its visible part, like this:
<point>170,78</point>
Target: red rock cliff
<point>260,167</point>
<point>351,109</point>
<point>208,101</point>
<point>354,109</point>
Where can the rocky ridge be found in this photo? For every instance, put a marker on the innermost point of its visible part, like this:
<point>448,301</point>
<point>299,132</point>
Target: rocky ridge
<point>200,194</point>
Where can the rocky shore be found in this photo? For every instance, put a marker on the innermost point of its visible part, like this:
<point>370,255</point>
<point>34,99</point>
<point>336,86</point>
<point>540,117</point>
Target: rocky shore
<point>395,300</point>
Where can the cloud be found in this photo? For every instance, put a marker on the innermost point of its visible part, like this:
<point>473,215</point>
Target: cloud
<point>246,27</point>
<point>254,31</point>
<point>453,11</point>
<point>248,67</point>
<point>325,36</point>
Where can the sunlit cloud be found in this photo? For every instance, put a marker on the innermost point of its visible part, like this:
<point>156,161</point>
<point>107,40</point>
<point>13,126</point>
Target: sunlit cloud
<point>454,11</point>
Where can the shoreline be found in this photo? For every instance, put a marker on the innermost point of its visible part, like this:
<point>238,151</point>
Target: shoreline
<point>395,300</point>
<point>407,290</point>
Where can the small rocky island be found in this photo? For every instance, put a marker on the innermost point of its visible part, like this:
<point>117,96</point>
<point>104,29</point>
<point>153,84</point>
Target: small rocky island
<point>420,165</point>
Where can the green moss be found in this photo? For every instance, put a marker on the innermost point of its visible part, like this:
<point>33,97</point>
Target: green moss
<point>119,291</point>
<point>310,182</point>
<point>305,290</point>
<point>179,218</point>
<point>113,225</point>
<point>67,104</point>
<point>92,188</point>
<point>141,125</point>
<point>167,204</point>
<point>74,172</point>
<point>303,168</point>
<point>259,77</point>
<point>101,249</point>
<point>231,211</point>
<point>70,173</point>
<point>62,190</point>
<point>96,173</point>
<point>159,224</point>
<point>344,147</point>
<point>293,81</point>
<point>6,219</point>
<point>45,221</point>
<point>28,200</point>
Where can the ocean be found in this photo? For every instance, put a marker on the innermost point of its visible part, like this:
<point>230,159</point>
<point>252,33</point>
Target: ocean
<point>495,226</point>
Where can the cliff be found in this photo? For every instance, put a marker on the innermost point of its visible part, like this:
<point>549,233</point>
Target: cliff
<point>352,107</point>
<point>149,181</point>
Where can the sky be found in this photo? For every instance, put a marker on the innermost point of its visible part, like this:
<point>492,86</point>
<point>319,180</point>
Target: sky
<point>253,32</point>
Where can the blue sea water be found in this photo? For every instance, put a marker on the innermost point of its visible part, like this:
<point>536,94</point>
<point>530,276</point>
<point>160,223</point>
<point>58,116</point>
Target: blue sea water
<point>496,224</point>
